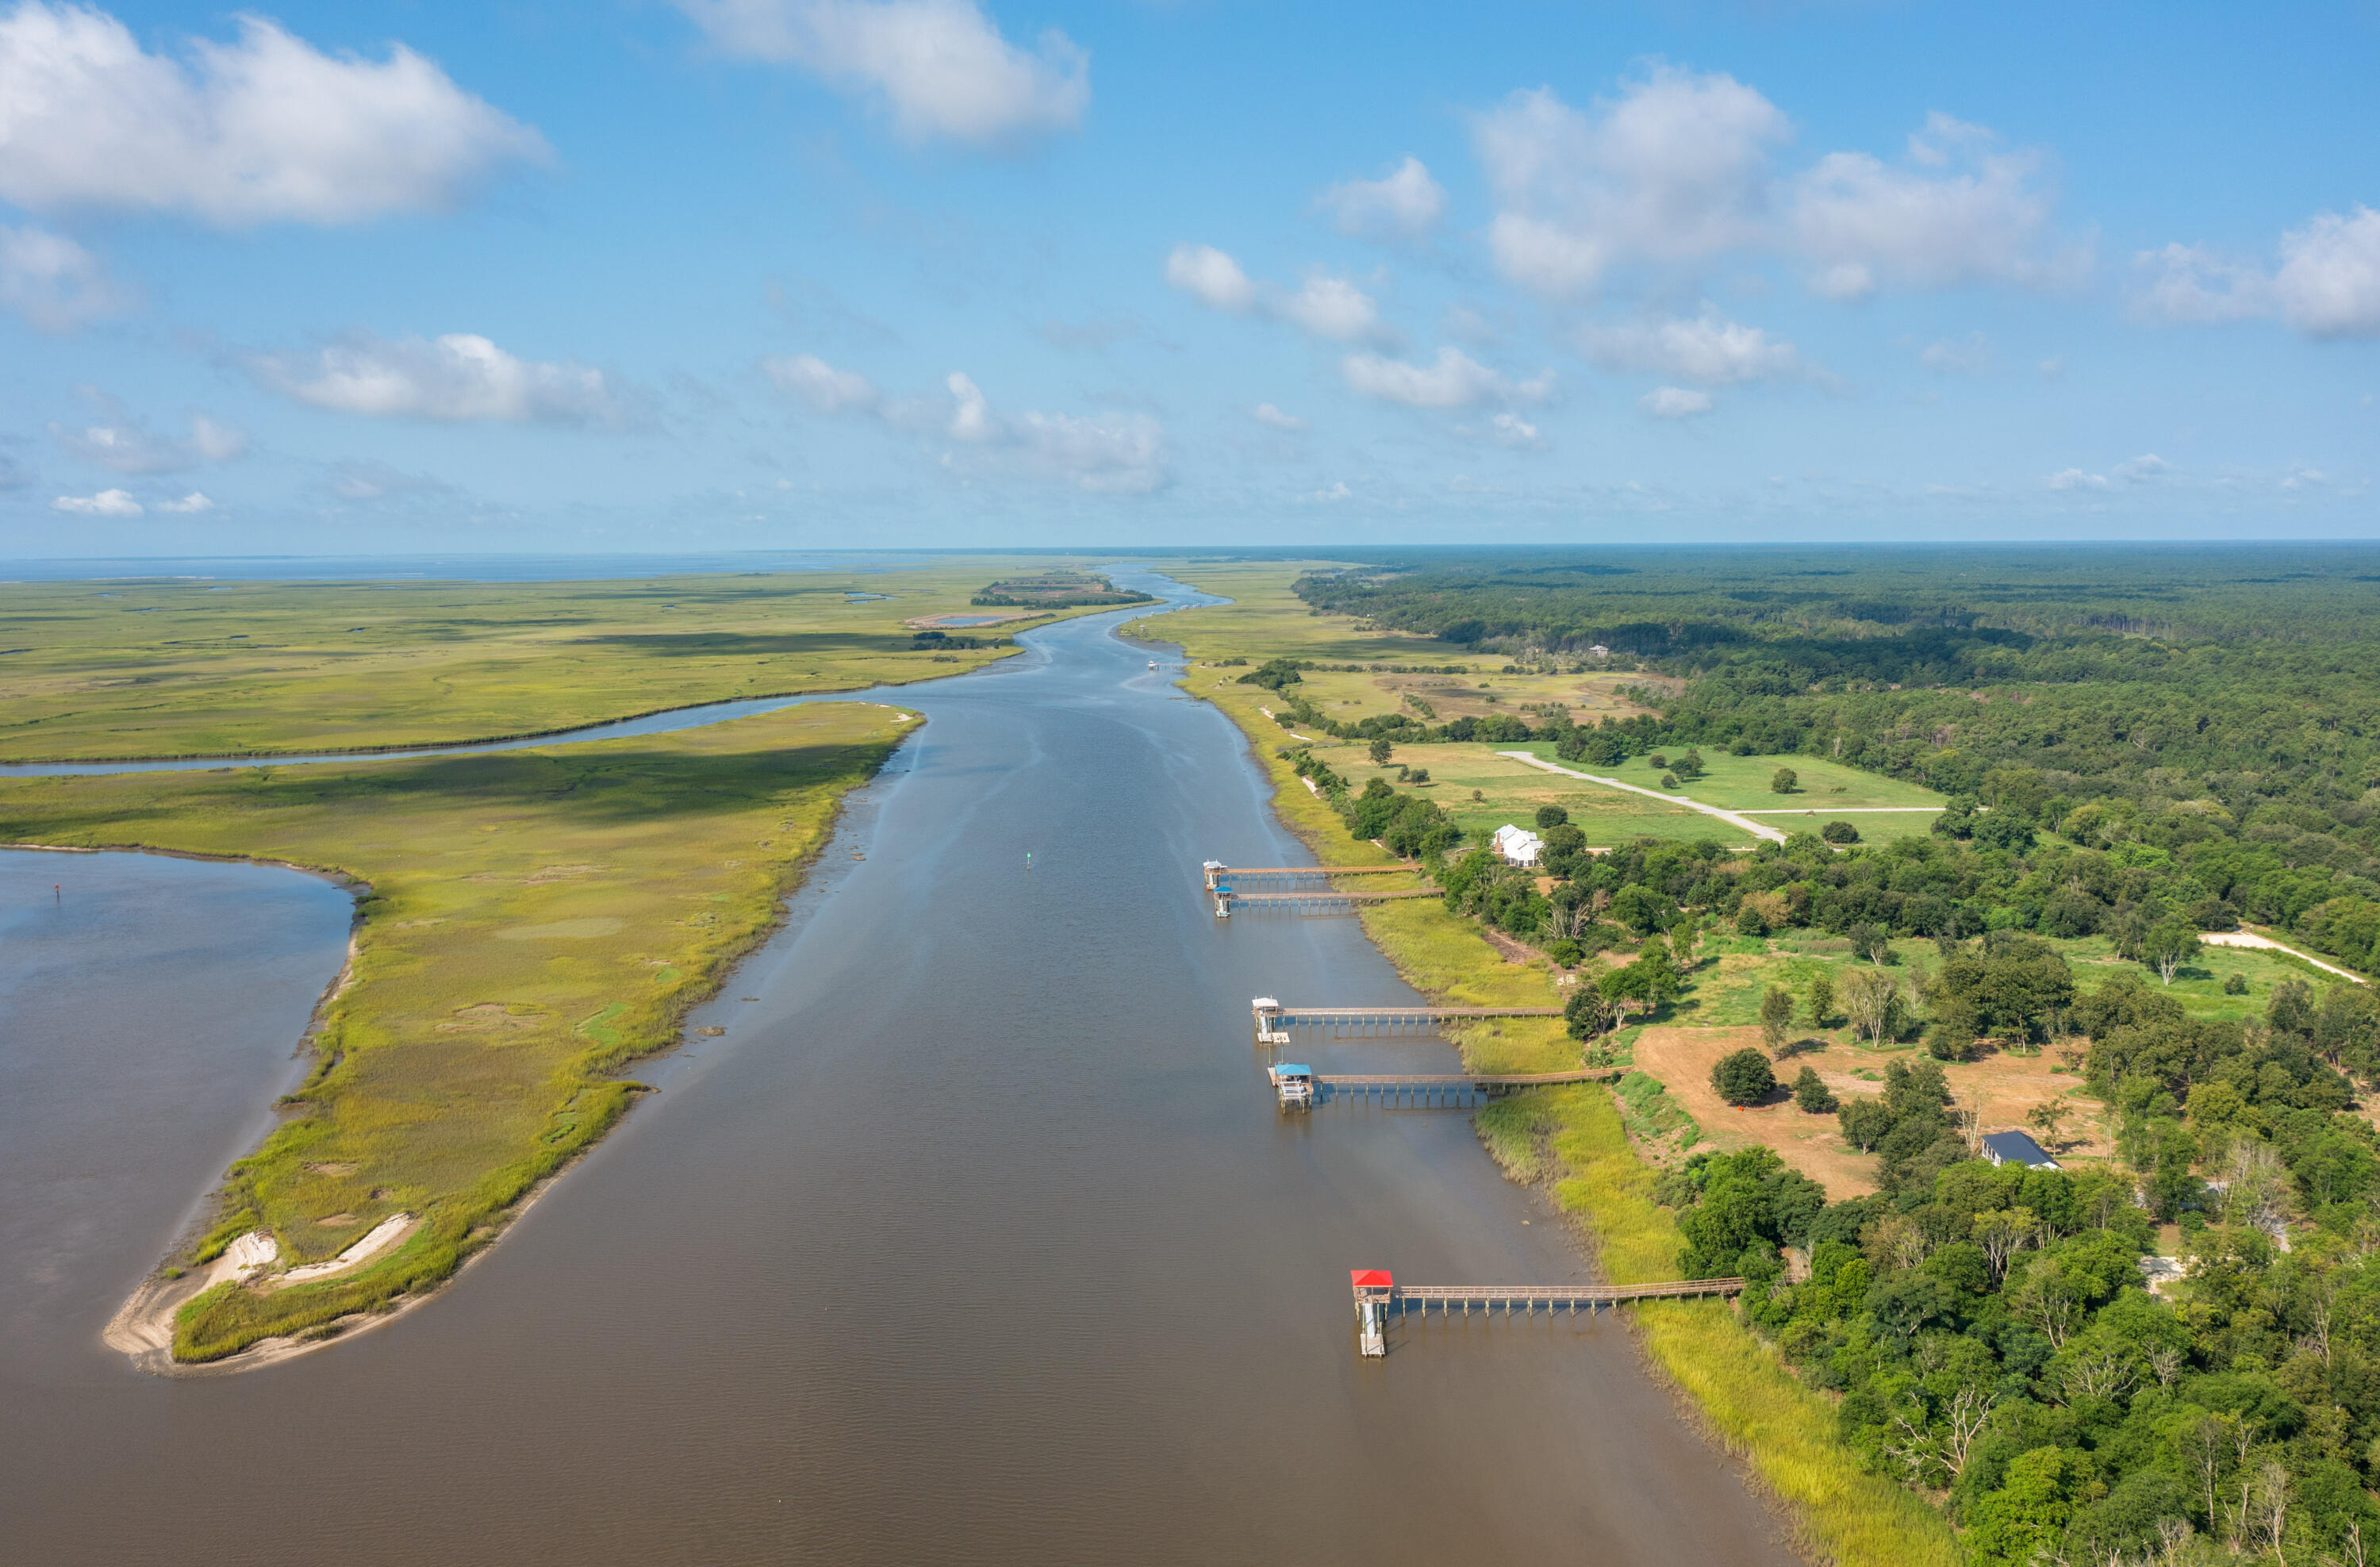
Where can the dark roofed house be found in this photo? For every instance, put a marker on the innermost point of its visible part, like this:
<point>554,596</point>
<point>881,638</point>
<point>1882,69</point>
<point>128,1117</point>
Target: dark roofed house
<point>2015,1148</point>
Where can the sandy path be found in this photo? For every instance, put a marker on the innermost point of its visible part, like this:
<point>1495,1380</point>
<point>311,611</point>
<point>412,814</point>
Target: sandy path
<point>1733,818</point>
<point>2249,938</point>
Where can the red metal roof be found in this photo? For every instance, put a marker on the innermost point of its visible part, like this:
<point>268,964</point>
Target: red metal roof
<point>1372,1278</point>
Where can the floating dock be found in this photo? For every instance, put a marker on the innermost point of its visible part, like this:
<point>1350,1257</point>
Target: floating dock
<point>1379,1296</point>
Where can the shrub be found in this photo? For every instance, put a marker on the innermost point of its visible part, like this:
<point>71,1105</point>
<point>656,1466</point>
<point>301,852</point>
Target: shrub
<point>1811,1095</point>
<point>1785,782</point>
<point>2236,985</point>
<point>1669,781</point>
<point>1564,952</point>
<point>1551,817</point>
<point>1743,1077</point>
<point>1839,832</point>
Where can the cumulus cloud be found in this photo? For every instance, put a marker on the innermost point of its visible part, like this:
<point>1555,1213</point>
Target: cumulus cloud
<point>1675,169</point>
<point>128,445</point>
<point>1324,305</point>
<point>940,66</point>
<point>2076,479</point>
<point>51,281</point>
<point>2327,283</point>
<point>1958,211</point>
<point>1266,413</point>
<point>826,389</point>
<point>460,377</point>
<point>107,503</point>
<point>2143,469</point>
<point>265,128</point>
<point>1404,205</point>
<point>1674,402</point>
<point>970,413</point>
<point>193,502</point>
<point>1454,381</point>
<point>1704,348</point>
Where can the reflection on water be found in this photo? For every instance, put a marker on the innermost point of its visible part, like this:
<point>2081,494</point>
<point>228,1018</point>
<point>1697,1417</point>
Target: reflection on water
<point>975,1238</point>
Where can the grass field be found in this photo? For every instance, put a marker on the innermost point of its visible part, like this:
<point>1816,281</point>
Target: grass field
<point>116,669</point>
<point>535,919</point>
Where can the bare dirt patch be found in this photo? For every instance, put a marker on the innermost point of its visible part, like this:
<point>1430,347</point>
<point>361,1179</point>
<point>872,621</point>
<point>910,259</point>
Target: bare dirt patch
<point>337,1169</point>
<point>2003,1086</point>
<point>336,1220</point>
<point>488,1016</point>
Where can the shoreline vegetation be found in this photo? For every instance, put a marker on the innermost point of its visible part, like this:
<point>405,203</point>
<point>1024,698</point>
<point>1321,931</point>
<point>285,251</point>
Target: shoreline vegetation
<point>1570,1141</point>
<point>528,923</point>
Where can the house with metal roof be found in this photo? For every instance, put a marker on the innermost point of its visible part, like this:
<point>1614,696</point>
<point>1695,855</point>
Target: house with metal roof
<point>1518,845</point>
<point>2015,1148</point>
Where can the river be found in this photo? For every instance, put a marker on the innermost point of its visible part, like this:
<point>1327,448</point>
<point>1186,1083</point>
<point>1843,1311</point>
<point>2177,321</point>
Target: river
<point>975,1238</point>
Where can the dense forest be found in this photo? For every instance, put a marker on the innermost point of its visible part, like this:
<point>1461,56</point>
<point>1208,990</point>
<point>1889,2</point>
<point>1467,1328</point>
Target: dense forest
<point>1988,1331</point>
<point>2217,711</point>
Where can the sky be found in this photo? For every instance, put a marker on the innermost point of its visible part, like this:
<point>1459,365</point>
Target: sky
<point>655,275</point>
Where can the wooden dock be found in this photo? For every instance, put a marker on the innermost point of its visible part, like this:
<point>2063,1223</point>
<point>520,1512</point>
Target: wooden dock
<point>1424,1089</point>
<point>1217,871</point>
<point>1379,1296</point>
<point>1311,899</point>
<point>1274,1020</point>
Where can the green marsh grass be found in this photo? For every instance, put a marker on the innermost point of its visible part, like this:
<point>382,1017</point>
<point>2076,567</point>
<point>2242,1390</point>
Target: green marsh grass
<point>535,919</point>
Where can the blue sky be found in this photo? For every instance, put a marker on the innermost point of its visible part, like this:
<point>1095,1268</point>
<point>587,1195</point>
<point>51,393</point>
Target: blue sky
<point>843,273</point>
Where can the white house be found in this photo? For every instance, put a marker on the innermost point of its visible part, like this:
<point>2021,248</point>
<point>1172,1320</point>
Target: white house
<point>1518,845</point>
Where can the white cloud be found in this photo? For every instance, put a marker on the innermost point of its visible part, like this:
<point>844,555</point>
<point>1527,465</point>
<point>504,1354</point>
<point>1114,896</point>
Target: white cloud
<point>266,128</point>
<point>1674,402</point>
<point>1511,430</point>
<point>1456,380</point>
<point>107,503</point>
<point>2190,282</point>
<point>128,446</point>
<point>2330,281</point>
<point>940,66</point>
<point>193,502</point>
<point>1111,454</point>
<point>51,281</point>
<point>2327,286</point>
<point>1265,413</point>
<point>1675,169</point>
<point>826,389</point>
<point>971,418</point>
<point>2143,469</point>
<point>1965,213</point>
<point>1337,491</point>
<point>2075,479</point>
<point>1405,205</point>
<point>1326,307</point>
<point>1702,349</point>
<point>455,378</point>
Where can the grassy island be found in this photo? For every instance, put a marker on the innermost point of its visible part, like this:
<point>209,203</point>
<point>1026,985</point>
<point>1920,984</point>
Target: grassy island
<point>530,921</point>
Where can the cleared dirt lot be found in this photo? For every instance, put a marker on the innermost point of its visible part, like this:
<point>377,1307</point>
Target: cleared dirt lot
<point>2003,1086</point>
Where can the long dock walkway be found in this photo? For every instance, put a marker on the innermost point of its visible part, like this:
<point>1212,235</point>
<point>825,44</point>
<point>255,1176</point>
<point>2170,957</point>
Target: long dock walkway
<point>1439,1088</point>
<point>1312,900</point>
<point>1553,1297</point>
<point>1273,1019</point>
<point>1217,871</point>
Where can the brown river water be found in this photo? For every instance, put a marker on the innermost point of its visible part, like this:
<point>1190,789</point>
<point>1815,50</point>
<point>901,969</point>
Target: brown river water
<point>977,1238</point>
